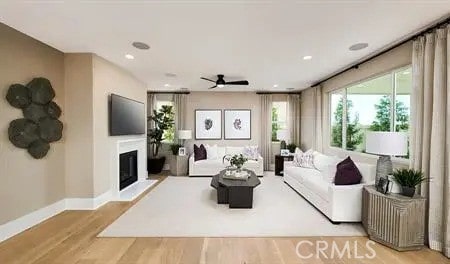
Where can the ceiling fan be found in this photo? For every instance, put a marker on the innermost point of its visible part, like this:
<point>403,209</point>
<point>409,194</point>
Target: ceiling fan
<point>221,82</point>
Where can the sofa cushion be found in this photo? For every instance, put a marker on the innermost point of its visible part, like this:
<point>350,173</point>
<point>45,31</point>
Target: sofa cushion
<point>299,173</point>
<point>211,152</point>
<point>347,173</point>
<point>318,186</point>
<point>234,150</point>
<point>221,152</point>
<point>209,163</point>
<point>199,152</point>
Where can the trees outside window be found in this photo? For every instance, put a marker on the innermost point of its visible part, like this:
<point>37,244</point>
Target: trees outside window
<point>169,133</point>
<point>279,118</point>
<point>367,106</point>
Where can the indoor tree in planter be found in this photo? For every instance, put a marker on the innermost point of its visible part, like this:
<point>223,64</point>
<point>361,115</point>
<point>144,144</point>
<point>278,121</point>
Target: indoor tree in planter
<point>163,120</point>
<point>408,179</point>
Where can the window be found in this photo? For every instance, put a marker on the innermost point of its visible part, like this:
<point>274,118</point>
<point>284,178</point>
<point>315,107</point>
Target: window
<point>367,106</point>
<point>279,118</point>
<point>169,134</point>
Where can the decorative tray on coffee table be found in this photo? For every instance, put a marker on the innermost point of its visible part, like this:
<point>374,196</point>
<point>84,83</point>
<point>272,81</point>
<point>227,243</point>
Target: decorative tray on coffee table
<point>236,175</point>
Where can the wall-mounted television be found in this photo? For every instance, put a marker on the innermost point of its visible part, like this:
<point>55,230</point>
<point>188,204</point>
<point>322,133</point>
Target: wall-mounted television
<point>126,116</point>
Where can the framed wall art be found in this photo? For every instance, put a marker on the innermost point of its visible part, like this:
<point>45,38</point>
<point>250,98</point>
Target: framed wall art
<point>208,124</point>
<point>238,124</point>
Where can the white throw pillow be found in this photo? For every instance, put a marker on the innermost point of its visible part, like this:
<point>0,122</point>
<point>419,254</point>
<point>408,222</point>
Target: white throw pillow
<point>322,161</point>
<point>251,152</point>
<point>329,173</point>
<point>304,159</point>
<point>234,150</point>
<point>211,152</point>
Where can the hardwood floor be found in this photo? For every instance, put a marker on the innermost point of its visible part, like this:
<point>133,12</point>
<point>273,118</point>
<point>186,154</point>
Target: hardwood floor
<point>70,237</point>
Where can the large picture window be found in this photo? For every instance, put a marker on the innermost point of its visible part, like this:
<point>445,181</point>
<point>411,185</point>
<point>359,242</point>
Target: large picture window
<point>279,118</point>
<point>169,134</point>
<point>367,106</point>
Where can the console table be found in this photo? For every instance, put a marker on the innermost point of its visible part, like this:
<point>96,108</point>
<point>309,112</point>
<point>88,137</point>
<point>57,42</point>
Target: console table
<point>394,220</point>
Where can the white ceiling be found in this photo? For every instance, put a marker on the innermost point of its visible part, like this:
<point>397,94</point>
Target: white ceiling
<point>261,41</point>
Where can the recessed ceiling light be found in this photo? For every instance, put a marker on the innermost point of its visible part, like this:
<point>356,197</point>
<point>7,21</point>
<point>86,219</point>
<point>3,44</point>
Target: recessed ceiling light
<point>141,45</point>
<point>166,85</point>
<point>358,46</point>
<point>129,56</point>
<point>275,85</point>
<point>170,75</point>
<point>308,57</point>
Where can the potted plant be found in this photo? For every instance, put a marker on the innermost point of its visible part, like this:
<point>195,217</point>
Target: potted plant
<point>163,120</point>
<point>408,179</point>
<point>174,148</point>
<point>291,147</point>
<point>236,161</point>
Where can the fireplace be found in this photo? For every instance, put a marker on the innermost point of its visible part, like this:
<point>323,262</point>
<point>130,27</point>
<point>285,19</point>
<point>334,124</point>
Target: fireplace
<point>128,171</point>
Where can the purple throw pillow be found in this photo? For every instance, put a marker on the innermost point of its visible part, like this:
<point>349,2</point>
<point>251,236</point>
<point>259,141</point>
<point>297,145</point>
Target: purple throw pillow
<point>199,152</point>
<point>347,173</point>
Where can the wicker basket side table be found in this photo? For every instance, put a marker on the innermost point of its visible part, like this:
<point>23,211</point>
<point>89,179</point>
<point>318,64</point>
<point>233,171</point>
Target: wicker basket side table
<point>394,220</point>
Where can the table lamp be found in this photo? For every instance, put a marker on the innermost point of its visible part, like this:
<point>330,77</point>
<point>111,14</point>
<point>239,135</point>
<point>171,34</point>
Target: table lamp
<point>386,144</point>
<point>184,134</point>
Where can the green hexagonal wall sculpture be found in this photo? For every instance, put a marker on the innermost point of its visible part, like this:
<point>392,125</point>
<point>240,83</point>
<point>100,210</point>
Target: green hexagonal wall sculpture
<point>40,124</point>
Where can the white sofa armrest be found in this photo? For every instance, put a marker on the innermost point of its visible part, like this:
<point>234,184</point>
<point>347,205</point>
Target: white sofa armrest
<point>191,164</point>
<point>345,202</point>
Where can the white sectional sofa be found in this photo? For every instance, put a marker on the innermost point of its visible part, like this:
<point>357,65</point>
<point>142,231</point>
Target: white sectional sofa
<point>210,167</point>
<point>340,203</point>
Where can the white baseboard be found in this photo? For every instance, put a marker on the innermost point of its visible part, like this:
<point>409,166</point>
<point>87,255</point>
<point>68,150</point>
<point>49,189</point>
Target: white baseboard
<point>21,224</point>
<point>88,203</point>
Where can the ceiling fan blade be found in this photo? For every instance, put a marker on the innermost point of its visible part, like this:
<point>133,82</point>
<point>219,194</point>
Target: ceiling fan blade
<point>237,83</point>
<point>212,87</point>
<point>207,79</point>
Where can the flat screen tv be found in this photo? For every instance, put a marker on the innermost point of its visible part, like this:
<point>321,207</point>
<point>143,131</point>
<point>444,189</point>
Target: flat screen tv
<point>126,116</point>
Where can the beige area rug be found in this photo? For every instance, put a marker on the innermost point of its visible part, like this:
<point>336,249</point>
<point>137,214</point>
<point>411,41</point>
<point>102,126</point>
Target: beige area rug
<point>187,207</point>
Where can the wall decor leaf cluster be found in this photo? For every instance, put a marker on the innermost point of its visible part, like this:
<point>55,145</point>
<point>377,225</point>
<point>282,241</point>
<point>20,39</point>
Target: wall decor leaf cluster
<point>40,125</point>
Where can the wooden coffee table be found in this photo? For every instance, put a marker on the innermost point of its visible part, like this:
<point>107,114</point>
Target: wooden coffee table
<point>235,193</point>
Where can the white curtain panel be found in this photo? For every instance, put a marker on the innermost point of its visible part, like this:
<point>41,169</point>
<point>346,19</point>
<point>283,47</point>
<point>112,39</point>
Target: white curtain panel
<point>318,140</point>
<point>265,143</point>
<point>151,104</point>
<point>294,116</point>
<point>179,102</point>
<point>430,130</point>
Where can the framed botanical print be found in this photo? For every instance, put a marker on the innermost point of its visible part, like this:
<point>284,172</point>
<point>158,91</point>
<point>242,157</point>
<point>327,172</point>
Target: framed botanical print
<point>208,124</point>
<point>238,124</point>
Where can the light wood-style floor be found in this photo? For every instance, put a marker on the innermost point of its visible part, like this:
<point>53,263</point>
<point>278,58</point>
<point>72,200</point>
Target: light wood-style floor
<point>70,237</point>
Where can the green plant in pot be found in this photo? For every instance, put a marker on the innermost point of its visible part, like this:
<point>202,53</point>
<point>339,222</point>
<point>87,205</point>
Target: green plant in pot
<point>408,179</point>
<point>163,120</point>
<point>236,161</point>
<point>174,148</point>
<point>291,147</point>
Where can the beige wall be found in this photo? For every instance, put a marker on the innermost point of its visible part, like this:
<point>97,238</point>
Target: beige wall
<point>28,184</point>
<point>307,119</point>
<point>107,79</point>
<point>396,58</point>
<point>79,127</point>
<point>223,100</point>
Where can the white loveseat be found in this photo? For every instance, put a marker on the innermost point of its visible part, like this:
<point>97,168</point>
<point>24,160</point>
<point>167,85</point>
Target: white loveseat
<point>210,167</point>
<point>340,203</point>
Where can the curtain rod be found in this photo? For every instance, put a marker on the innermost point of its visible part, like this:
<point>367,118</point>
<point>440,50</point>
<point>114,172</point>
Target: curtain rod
<point>167,92</point>
<point>356,65</point>
<point>299,92</point>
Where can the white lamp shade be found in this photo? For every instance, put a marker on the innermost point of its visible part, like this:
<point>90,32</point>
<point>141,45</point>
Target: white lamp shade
<point>184,134</point>
<point>387,143</point>
<point>283,134</point>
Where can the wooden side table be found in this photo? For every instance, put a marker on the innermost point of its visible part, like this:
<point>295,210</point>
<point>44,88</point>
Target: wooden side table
<point>279,163</point>
<point>179,165</point>
<point>394,220</point>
